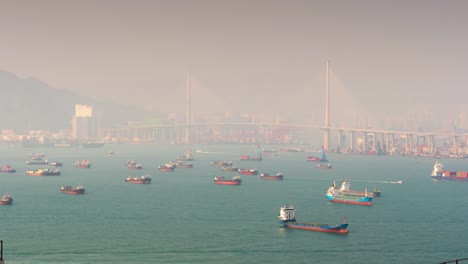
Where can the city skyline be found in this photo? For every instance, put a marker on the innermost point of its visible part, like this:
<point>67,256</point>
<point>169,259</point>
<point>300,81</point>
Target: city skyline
<point>394,60</point>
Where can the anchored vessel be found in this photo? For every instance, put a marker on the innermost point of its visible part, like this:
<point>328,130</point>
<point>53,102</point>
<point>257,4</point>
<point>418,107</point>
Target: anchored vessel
<point>440,174</point>
<point>322,158</point>
<point>134,165</point>
<point>56,164</point>
<point>145,179</point>
<point>346,190</point>
<point>43,172</point>
<point>248,171</point>
<point>236,180</point>
<point>334,195</point>
<point>184,165</point>
<point>72,190</point>
<point>6,199</point>
<point>230,168</point>
<point>85,164</point>
<point>287,218</point>
<point>324,166</point>
<point>37,162</point>
<point>7,169</point>
<point>258,156</point>
<point>266,176</point>
<point>221,163</point>
<point>166,167</point>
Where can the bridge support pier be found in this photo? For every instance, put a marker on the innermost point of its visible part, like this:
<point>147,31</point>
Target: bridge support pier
<point>351,141</point>
<point>364,142</point>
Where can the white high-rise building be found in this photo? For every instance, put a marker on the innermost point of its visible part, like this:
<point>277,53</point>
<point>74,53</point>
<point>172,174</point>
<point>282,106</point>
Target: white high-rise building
<point>84,125</point>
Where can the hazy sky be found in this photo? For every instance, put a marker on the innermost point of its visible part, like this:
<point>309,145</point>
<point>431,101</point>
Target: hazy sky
<point>387,57</point>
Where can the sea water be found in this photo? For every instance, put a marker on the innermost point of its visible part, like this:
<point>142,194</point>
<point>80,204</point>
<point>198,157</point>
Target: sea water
<point>183,217</point>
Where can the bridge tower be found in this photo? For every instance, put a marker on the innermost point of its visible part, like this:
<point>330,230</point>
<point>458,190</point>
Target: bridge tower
<point>326,138</point>
<point>187,120</point>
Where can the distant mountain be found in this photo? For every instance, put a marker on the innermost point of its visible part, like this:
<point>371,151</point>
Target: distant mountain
<point>29,103</point>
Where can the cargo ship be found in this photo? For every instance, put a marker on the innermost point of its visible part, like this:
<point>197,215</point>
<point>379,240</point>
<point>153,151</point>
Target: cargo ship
<point>6,199</point>
<point>37,162</point>
<point>84,164</point>
<point>72,190</point>
<point>322,158</point>
<point>221,163</point>
<point>43,172</point>
<point>145,179</point>
<point>236,180</point>
<point>258,156</point>
<point>287,218</point>
<point>230,168</point>
<point>333,194</point>
<point>166,168</point>
<point>440,174</point>
<point>183,165</point>
<point>7,169</point>
<point>134,165</point>
<point>324,166</point>
<point>248,171</point>
<point>346,190</point>
<point>56,164</point>
<point>266,176</point>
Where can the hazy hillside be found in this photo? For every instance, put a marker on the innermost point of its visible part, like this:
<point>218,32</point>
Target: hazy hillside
<point>31,103</point>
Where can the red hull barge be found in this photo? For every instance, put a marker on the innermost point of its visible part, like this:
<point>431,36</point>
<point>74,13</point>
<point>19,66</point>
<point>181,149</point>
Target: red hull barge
<point>351,202</point>
<point>236,180</point>
<point>248,172</point>
<point>266,176</point>
<point>145,179</point>
<point>7,169</point>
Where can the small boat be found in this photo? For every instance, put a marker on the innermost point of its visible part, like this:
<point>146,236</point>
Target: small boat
<point>110,153</point>
<point>266,176</point>
<point>43,172</point>
<point>37,162</point>
<point>84,164</point>
<point>236,180</point>
<point>230,168</point>
<point>221,163</point>
<point>7,169</point>
<point>6,200</point>
<point>72,190</point>
<point>166,168</point>
<point>56,164</point>
<point>346,190</point>
<point>134,165</point>
<point>439,173</point>
<point>396,182</point>
<point>322,158</point>
<point>247,171</point>
<point>324,166</point>
<point>333,194</point>
<point>145,179</point>
<point>184,165</point>
<point>287,218</point>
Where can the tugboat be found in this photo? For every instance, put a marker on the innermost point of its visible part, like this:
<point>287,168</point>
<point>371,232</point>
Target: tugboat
<point>7,169</point>
<point>84,164</point>
<point>248,171</point>
<point>334,195</point>
<point>6,200</point>
<point>236,180</point>
<point>266,176</point>
<point>134,165</point>
<point>287,218</point>
<point>145,179</point>
<point>72,190</point>
<point>43,172</point>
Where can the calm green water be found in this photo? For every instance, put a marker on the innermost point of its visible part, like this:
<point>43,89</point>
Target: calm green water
<point>182,217</point>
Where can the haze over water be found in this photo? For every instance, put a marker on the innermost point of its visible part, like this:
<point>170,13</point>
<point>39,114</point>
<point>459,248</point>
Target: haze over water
<point>183,217</point>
